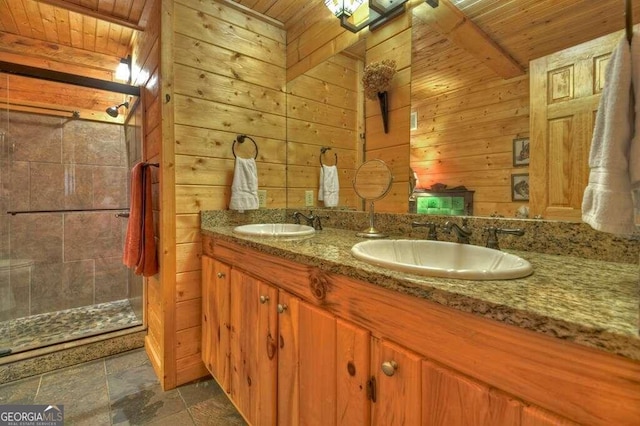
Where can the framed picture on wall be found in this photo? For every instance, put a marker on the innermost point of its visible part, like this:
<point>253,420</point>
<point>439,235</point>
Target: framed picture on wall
<point>520,152</point>
<point>520,187</point>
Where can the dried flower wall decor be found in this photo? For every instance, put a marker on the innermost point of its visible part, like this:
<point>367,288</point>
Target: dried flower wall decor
<point>376,80</point>
<point>377,77</point>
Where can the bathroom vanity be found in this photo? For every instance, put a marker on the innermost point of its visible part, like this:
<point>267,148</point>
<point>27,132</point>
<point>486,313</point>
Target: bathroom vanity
<point>297,331</point>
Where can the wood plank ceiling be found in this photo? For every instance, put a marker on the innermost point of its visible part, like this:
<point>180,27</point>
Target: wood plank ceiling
<point>87,37</point>
<point>525,29</point>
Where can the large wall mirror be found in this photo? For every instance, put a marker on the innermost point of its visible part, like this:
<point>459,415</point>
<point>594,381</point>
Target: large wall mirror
<point>324,125</point>
<point>471,127</point>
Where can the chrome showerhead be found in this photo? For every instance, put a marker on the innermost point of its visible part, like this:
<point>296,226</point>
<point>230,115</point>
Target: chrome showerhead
<point>113,111</point>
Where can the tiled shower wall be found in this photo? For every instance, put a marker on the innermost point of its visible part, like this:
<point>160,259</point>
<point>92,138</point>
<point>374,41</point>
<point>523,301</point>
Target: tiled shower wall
<point>70,259</point>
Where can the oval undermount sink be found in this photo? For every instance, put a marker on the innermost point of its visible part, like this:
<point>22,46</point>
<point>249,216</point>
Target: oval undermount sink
<point>442,259</point>
<point>275,230</point>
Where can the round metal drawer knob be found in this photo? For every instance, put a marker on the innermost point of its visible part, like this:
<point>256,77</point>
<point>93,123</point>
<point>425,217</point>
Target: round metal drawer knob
<point>264,299</point>
<point>282,307</point>
<point>389,367</point>
<point>221,275</point>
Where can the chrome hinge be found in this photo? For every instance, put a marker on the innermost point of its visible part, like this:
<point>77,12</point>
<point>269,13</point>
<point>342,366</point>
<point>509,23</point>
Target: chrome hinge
<point>371,389</point>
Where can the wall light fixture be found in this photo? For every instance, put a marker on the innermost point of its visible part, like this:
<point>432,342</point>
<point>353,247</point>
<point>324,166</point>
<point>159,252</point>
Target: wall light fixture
<point>380,11</point>
<point>123,71</point>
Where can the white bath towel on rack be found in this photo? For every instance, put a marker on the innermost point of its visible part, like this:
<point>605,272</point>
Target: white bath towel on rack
<point>607,204</point>
<point>329,191</point>
<point>244,189</point>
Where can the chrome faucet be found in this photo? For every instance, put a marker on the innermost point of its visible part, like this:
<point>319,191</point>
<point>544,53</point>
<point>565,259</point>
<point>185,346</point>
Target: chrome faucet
<point>492,235</point>
<point>312,220</point>
<point>431,227</point>
<point>463,233</point>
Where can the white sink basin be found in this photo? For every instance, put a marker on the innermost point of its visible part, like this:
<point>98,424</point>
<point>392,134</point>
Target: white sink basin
<point>275,230</point>
<point>442,259</point>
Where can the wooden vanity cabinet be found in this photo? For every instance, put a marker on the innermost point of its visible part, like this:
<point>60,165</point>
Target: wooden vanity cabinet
<point>282,361</point>
<point>351,353</point>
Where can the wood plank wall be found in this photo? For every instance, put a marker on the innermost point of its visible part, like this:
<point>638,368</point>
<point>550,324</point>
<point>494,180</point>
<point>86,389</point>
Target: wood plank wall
<point>310,44</point>
<point>467,120</point>
<point>146,75</point>
<point>393,41</point>
<point>324,109</point>
<point>227,78</point>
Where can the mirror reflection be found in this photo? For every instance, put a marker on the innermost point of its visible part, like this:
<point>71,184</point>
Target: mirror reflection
<point>324,123</point>
<point>519,140</point>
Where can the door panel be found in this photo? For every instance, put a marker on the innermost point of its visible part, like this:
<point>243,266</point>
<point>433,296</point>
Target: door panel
<point>215,319</point>
<point>565,91</point>
<point>397,396</point>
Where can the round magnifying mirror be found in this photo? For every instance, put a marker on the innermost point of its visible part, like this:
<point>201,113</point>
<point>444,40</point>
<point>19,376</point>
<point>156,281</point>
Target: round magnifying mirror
<point>372,181</point>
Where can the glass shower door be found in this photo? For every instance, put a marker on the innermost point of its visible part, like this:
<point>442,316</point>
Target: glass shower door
<point>64,194</point>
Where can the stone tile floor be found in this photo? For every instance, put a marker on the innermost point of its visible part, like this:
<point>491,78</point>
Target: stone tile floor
<point>123,390</point>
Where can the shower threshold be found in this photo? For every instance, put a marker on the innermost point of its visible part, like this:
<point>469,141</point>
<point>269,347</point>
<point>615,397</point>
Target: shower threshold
<point>47,329</point>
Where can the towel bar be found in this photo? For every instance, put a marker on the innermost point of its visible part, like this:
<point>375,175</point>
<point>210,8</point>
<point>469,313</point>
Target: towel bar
<point>240,139</point>
<point>325,149</point>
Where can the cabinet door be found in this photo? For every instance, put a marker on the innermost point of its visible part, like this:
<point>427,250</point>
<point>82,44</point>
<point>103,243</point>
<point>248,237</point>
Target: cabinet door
<point>353,367</point>
<point>215,319</point>
<point>317,366</point>
<point>323,367</point>
<point>397,376</point>
<point>253,358</point>
<point>451,399</point>
<point>288,379</point>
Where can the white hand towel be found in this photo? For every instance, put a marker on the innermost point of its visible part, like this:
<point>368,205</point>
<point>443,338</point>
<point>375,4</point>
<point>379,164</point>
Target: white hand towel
<point>329,190</point>
<point>244,189</point>
<point>607,204</point>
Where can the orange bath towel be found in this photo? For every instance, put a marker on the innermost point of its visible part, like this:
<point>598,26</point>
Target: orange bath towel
<point>140,245</point>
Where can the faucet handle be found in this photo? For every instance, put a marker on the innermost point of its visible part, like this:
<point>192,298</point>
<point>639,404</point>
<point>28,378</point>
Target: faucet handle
<point>492,235</point>
<point>431,226</point>
<point>317,223</point>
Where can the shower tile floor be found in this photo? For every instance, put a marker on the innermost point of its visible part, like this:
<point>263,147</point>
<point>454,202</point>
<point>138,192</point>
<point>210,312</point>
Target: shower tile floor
<point>123,390</point>
<point>46,329</point>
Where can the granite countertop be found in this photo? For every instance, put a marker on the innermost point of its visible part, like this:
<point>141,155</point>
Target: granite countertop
<point>589,302</point>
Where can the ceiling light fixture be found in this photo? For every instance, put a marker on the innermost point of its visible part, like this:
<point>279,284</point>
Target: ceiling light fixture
<point>123,71</point>
<point>380,11</point>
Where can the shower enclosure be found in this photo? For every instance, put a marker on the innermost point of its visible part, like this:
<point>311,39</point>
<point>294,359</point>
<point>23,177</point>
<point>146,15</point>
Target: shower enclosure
<point>64,200</point>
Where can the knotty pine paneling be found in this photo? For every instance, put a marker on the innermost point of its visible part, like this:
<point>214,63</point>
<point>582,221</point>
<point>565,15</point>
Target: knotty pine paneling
<point>189,342</point>
<point>393,41</point>
<point>188,285</point>
<point>228,78</point>
<point>465,137</point>
<point>188,228</point>
<point>323,111</point>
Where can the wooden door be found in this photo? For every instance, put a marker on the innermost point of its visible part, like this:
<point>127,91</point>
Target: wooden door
<point>398,390</point>
<point>565,91</point>
<point>215,319</point>
<point>449,398</point>
<point>253,360</point>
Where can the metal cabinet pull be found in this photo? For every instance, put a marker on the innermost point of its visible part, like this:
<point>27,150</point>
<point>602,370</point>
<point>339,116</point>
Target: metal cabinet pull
<point>282,307</point>
<point>264,299</point>
<point>221,275</point>
<point>389,367</point>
